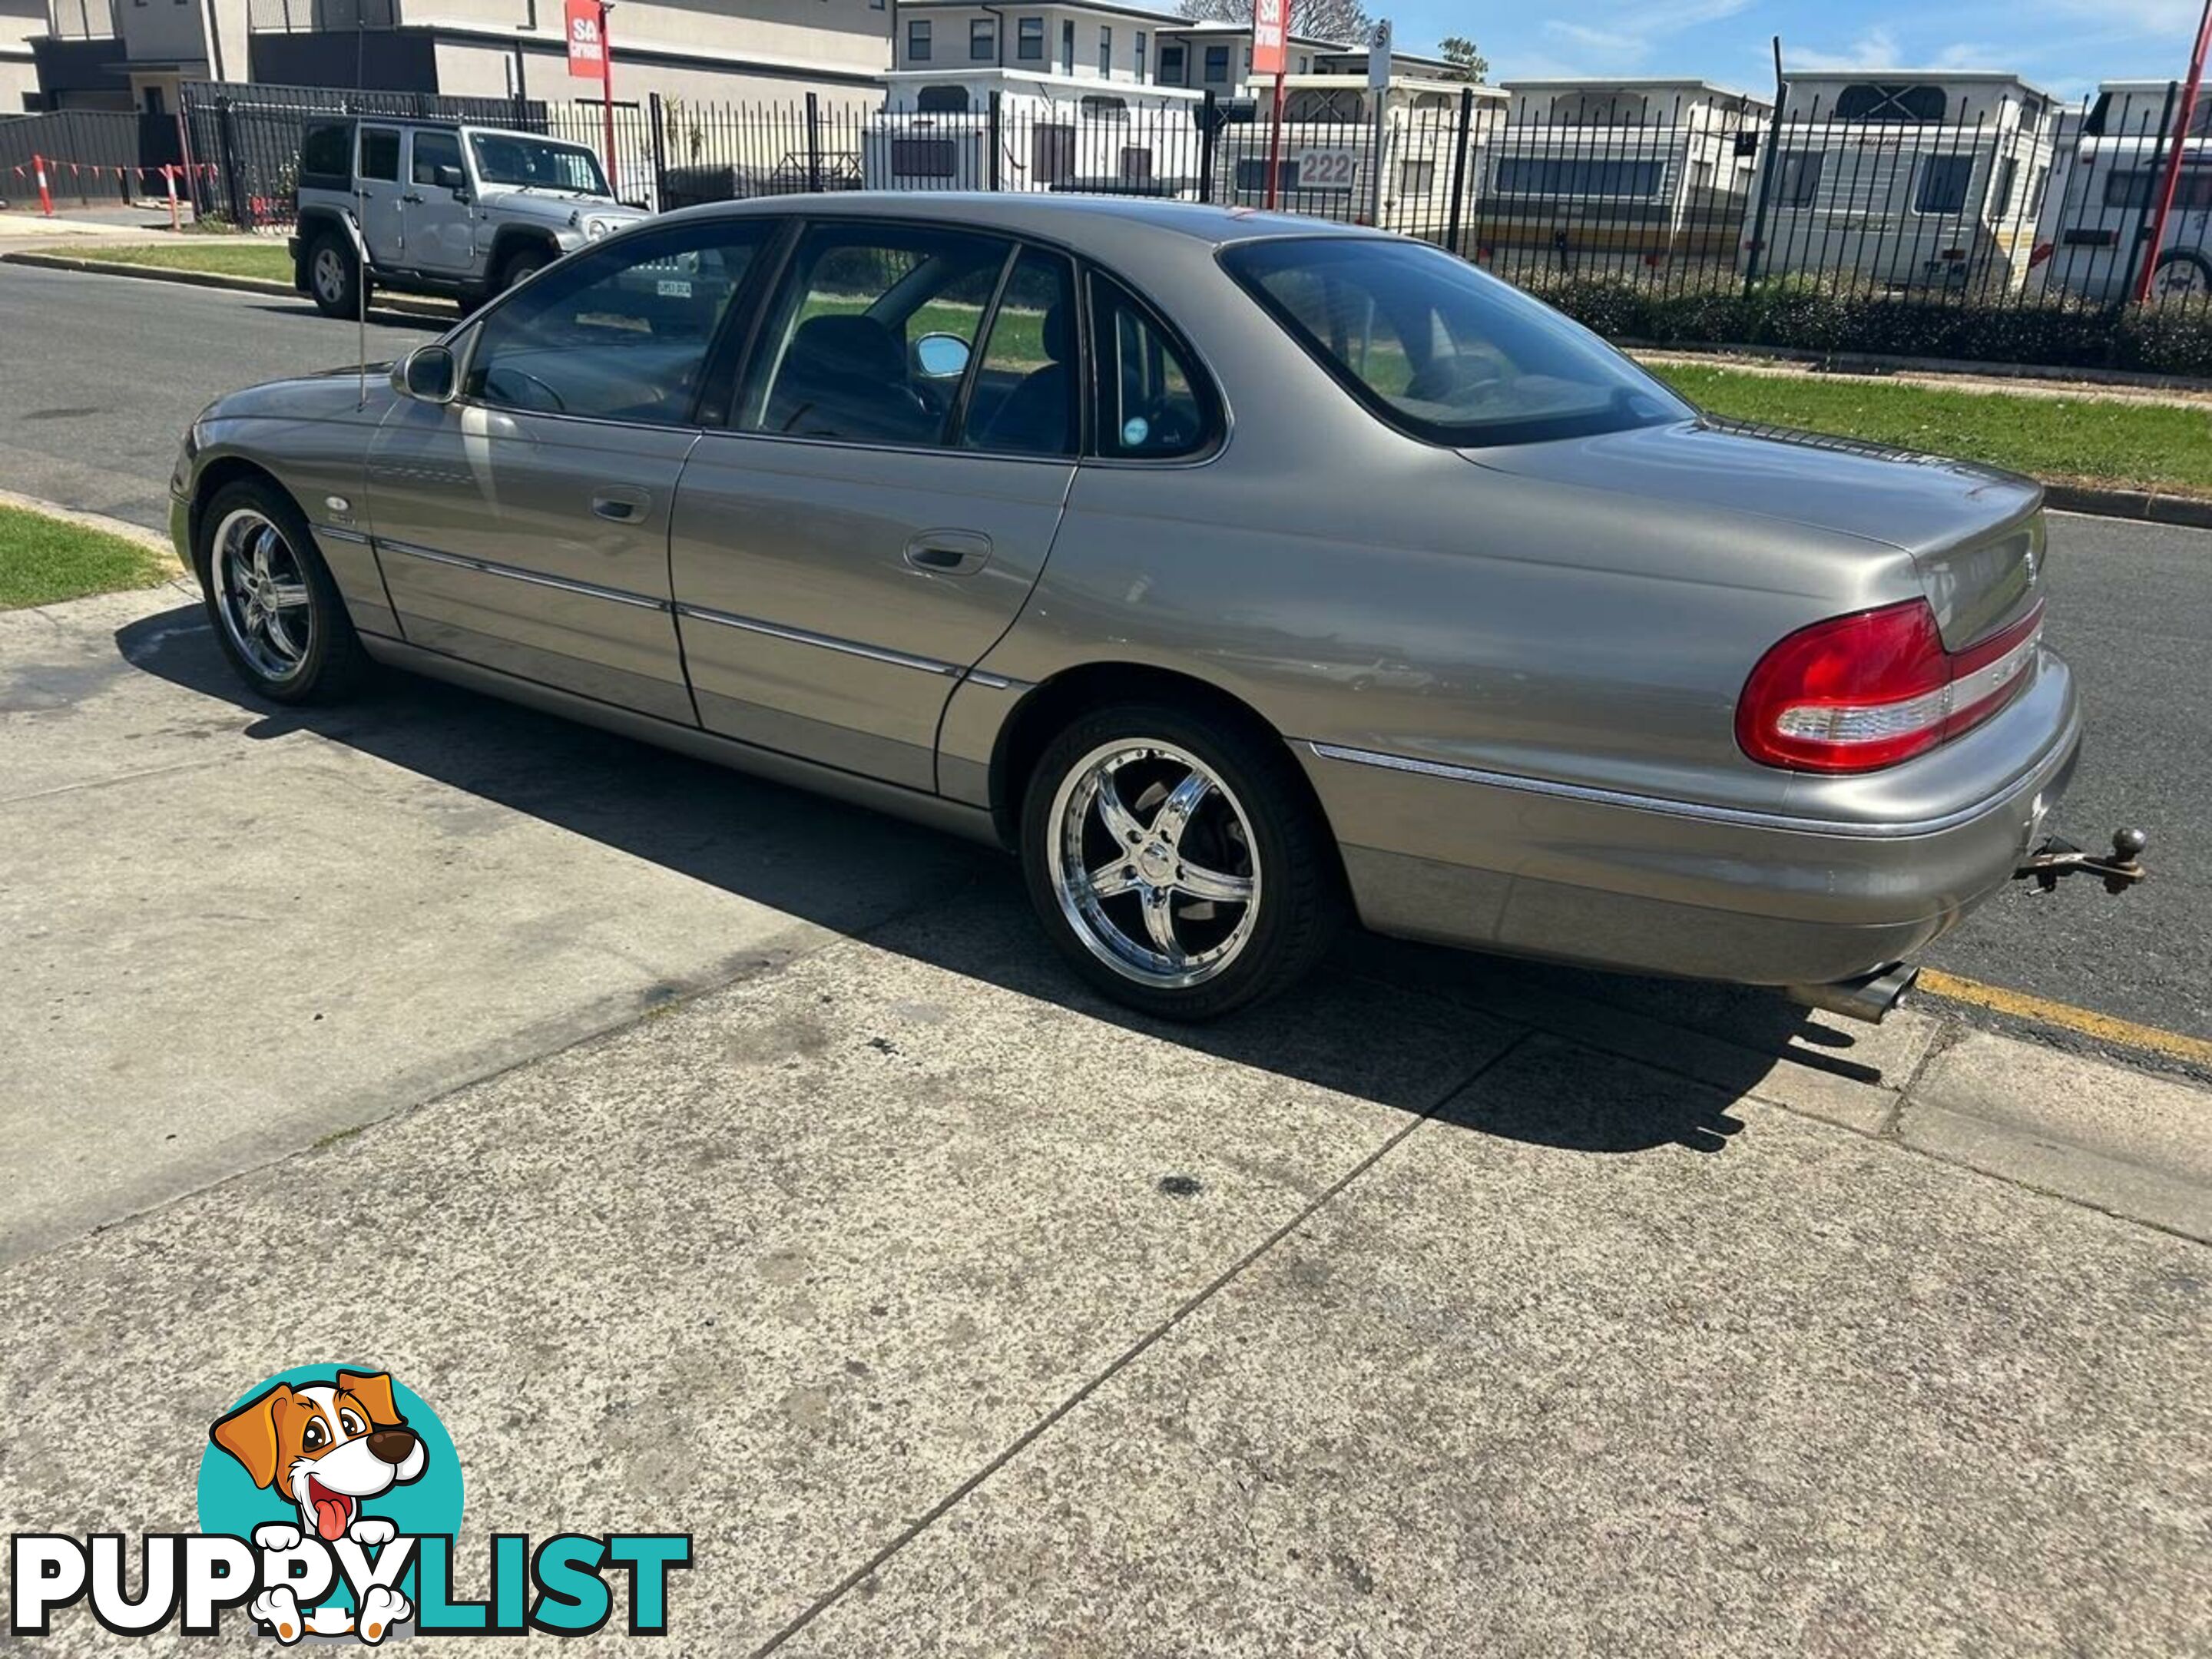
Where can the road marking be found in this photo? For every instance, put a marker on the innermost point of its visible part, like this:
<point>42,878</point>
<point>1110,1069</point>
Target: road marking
<point>2103,1027</point>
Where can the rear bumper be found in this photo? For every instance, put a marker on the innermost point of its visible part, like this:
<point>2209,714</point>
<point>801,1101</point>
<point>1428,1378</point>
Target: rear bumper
<point>1542,869</point>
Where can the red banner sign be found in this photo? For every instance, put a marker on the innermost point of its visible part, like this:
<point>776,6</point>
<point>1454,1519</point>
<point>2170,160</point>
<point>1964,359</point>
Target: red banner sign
<point>1270,39</point>
<point>587,45</point>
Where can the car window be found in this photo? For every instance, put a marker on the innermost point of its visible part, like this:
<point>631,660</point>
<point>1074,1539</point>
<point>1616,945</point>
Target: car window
<point>1023,398</point>
<point>1442,350</point>
<point>434,150</point>
<point>525,163</point>
<point>619,333</point>
<point>840,356</point>
<point>379,153</point>
<point>1149,400</point>
<point>323,150</point>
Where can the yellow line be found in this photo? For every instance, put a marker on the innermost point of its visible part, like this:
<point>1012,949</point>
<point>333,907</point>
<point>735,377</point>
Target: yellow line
<point>2103,1027</point>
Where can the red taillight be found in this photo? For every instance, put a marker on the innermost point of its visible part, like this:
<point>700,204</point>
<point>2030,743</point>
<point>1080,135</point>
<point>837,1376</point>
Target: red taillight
<point>1864,691</point>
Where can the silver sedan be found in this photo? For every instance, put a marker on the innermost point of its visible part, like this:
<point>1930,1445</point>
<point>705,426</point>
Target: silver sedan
<point>1242,574</point>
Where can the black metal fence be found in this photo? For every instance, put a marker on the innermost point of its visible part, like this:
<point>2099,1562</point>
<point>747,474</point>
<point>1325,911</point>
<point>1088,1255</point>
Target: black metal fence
<point>1707,197</point>
<point>88,155</point>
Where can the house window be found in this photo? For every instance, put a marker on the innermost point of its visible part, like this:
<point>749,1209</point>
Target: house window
<point>1943,182</point>
<point>1416,177</point>
<point>917,41</point>
<point>982,40</point>
<point>1051,153</point>
<point>1171,66</point>
<point>1067,46</point>
<point>1306,63</point>
<point>1104,109</point>
<point>1139,55</point>
<point>941,101</point>
<point>1800,177</point>
<point>1028,39</point>
<point>1105,50</point>
<point>1895,105</point>
<point>1216,66</point>
<point>1136,166</point>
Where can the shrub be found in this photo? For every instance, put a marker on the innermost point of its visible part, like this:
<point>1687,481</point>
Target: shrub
<point>1807,315</point>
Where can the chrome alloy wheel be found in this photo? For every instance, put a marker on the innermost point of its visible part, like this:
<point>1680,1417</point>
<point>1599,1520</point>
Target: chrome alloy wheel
<point>329,273</point>
<point>1152,862</point>
<point>261,593</point>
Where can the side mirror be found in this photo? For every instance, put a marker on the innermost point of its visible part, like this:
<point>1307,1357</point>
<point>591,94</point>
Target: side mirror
<point>426,375</point>
<point>942,356</point>
<point>452,178</point>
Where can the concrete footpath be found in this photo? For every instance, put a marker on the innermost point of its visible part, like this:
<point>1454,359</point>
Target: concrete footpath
<point>716,1159</point>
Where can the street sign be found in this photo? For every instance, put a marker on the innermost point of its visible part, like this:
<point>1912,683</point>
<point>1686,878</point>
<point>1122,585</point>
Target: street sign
<point>1378,56</point>
<point>1271,41</point>
<point>587,48</point>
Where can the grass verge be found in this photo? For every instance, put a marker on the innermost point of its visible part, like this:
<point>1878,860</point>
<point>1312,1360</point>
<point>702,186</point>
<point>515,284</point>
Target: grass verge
<point>44,560</point>
<point>238,257</point>
<point>2074,440</point>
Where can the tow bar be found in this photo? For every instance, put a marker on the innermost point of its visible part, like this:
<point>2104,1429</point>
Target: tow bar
<point>2121,868</point>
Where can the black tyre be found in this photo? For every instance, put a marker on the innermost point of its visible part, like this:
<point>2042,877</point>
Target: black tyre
<point>1178,860</point>
<point>523,263</point>
<point>276,611</point>
<point>334,275</point>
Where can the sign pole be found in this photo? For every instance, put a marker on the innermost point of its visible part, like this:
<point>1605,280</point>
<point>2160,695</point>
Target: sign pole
<point>1275,144</point>
<point>1378,89</point>
<point>607,91</point>
<point>1271,56</point>
<point>2147,279</point>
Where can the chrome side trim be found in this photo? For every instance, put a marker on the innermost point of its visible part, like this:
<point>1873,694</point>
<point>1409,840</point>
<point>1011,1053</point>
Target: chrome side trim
<point>1658,804</point>
<point>991,681</point>
<point>338,535</point>
<point>827,642</point>
<point>535,578</point>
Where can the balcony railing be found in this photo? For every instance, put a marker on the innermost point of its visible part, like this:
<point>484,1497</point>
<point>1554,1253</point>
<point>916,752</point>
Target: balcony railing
<point>81,20</point>
<point>312,16</point>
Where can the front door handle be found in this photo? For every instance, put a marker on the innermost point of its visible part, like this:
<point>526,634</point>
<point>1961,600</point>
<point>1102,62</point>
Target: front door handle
<point>949,552</point>
<point>412,196</point>
<point>621,506</point>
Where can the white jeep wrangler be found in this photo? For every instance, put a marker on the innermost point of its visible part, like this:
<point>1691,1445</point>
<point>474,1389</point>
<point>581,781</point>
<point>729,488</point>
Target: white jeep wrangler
<point>439,206</point>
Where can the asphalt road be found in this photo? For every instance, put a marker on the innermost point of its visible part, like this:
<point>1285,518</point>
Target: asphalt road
<point>101,375</point>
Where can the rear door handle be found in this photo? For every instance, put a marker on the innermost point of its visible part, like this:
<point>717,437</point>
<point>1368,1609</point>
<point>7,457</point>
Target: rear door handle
<point>949,552</point>
<point>411,196</point>
<point>621,505</point>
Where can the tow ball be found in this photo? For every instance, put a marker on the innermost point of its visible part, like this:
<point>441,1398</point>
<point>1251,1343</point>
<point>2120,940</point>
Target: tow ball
<point>2121,868</point>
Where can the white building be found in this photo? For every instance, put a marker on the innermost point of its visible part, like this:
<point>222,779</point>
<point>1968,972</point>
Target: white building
<point>938,131</point>
<point>1659,169</point>
<point>1908,178</point>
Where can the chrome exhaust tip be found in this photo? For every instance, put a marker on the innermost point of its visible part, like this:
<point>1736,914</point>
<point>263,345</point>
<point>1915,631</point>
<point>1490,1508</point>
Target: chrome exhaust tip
<point>1867,997</point>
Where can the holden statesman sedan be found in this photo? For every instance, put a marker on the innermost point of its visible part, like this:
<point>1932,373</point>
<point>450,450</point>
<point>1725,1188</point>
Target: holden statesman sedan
<point>1242,574</point>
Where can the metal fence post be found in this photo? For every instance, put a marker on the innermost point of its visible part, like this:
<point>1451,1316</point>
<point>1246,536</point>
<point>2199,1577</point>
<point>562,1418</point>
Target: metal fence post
<point>1459,168</point>
<point>813,141</point>
<point>1208,125</point>
<point>226,136</point>
<point>659,151</point>
<point>1769,165</point>
<point>993,135</point>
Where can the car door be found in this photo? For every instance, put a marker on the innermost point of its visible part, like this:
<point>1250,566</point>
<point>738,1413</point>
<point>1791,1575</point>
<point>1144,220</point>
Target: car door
<point>377,192</point>
<point>884,493</point>
<point>439,220</point>
<point>524,525</point>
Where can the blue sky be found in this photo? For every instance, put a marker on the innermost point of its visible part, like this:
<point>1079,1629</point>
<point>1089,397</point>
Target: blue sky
<point>2065,46</point>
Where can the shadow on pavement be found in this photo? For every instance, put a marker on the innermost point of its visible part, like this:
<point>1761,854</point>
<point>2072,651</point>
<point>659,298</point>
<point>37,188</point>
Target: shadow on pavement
<point>798,853</point>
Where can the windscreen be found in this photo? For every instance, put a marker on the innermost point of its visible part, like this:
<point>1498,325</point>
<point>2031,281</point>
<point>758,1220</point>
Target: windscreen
<point>506,158</point>
<point>1439,349</point>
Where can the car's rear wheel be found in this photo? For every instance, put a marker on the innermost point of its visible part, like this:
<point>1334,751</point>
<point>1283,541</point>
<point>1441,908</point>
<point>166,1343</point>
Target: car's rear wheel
<point>276,612</point>
<point>1177,860</point>
<point>334,275</point>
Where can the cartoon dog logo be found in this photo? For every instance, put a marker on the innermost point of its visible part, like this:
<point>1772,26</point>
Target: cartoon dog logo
<point>327,1447</point>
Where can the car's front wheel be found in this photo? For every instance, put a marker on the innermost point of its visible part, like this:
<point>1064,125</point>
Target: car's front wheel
<point>334,275</point>
<point>1176,859</point>
<point>276,612</point>
<point>522,264</point>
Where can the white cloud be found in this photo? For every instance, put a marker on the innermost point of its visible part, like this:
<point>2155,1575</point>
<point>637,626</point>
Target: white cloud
<point>1875,49</point>
<point>1628,41</point>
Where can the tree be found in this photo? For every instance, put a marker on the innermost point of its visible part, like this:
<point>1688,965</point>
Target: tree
<point>1465,57</point>
<point>1345,22</point>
